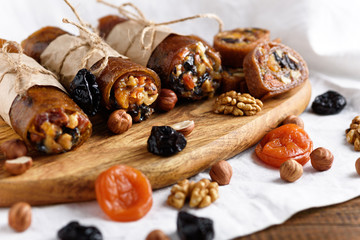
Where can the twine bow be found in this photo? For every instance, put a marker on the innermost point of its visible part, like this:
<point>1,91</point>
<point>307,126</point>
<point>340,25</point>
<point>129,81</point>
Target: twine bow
<point>91,38</point>
<point>150,26</point>
<point>19,68</point>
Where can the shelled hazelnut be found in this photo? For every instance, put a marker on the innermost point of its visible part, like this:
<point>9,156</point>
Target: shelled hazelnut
<point>357,166</point>
<point>19,165</point>
<point>221,172</point>
<point>157,235</point>
<point>295,120</point>
<point>185,127</point>
<point>119,121</point>
<point>13,148</point>
<point>321,159</point>
<point>166,100</point>
<point>20,216</point>
<point>291,170</point>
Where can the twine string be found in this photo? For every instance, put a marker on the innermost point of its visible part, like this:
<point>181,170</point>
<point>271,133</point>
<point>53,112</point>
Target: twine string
<point>19,68</point>
<point>91,38</point>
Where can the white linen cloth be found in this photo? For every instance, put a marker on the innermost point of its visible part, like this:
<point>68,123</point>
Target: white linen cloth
<point>324,32</point>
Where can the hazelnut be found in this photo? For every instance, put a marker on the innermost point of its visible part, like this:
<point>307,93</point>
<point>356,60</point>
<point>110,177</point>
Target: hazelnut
<point>295,120</point>
<point>157,235</point>
<point>119,121</point>
<point>221,172</point>
<point>291,170</point>
<point>357,166</point>
<point>19,165</point>
<point>321,159</point>
<point>184,127</point>
<point>13,148</point>
<point>20,216</point>
<point>166,100</point>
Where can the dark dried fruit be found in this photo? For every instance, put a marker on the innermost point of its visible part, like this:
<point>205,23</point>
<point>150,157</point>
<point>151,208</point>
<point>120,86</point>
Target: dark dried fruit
<point>75,231</point>
<point>84,90</point>
<point>328,103</point>
<point>165,141</point>
<point>191,227</point>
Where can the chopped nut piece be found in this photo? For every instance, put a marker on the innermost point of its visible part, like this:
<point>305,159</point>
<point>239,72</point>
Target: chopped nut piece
<point>353,133</point>
<point>237,104</point>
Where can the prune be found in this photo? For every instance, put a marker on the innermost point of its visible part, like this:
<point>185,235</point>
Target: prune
<point>165,141</point>
<point>328,103</point>
<point>84,90</point>
<point>191,227</point>
<point>75,231</point>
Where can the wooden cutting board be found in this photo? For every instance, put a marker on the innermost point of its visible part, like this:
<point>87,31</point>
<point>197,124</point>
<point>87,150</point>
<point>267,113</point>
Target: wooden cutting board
<point>70,177</point>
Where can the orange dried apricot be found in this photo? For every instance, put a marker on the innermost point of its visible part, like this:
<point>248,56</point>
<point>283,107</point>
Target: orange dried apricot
<point>283,143</point>
<point>123,193</point>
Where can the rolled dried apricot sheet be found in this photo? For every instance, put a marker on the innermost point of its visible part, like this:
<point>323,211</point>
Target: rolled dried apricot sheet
<point>273,68</point>
<point>185,64</point>
<point>40,111</point>
<point>123,84</point>
<point>234,45</point>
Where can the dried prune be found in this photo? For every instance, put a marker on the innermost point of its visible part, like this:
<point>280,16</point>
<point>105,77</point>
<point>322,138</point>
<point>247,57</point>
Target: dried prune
<point>191,227</point>
<point>165,141</point>
<point>140,113</point>
<point>328,103</point>
<point>84,90</point>
<point>75,231</point>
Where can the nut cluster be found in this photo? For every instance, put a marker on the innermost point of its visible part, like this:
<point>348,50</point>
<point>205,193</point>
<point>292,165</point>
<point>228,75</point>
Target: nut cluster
<point>200,194</point>
<point>353,133</point>
<point>237,104</point>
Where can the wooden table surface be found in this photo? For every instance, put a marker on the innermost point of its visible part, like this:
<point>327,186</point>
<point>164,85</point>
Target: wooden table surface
<point>336,222</point>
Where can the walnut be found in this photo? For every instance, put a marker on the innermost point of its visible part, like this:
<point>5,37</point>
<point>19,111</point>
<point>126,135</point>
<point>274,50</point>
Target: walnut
<point>353,133</point>
<point>204,193</point>
<point>201,194</point>
<point>237,104</point>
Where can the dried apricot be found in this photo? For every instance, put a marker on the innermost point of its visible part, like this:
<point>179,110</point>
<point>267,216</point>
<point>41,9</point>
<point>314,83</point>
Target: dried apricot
<point>283,143</point>
<point>123,193</point>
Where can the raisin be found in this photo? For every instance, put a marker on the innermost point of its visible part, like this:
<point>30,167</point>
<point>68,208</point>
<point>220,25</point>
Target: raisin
<point>328,103</point>
<point>231,40</point>
<point>75,231</point>
<point>84,90</point>
<point>191,227</point>
<point>75,134</point>
<point>165,141</point>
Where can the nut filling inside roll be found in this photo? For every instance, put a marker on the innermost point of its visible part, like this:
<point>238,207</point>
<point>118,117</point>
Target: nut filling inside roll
<point>196,73</point>
<point>57,130</point>
<point>135,94</point>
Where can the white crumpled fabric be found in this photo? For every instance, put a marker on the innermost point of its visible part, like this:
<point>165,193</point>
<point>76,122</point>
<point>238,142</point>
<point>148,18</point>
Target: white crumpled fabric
<point>325,33</point>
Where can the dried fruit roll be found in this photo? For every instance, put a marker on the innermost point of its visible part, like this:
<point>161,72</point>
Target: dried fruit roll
<point>233,79</point>
<point>185,64</point>
<point>123,84</point>
<point>234,45</point>
<point>273,68</point>
<point>43,115</point>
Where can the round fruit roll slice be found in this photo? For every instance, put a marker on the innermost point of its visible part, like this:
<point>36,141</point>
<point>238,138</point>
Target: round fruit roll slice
<point>187,65</point>
<point>48,120</point>
<point>123,84</point>
<point>234,45</point>
<point>233,79</point>
<point>273,68</point>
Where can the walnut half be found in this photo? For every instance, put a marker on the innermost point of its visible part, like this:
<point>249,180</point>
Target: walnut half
<point>200,194</point>
<point>237,104</point>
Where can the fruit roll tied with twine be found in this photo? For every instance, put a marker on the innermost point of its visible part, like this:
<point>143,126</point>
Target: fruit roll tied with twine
<point>123,84</point>
<point>185,64</point>
<point>36,106</point>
